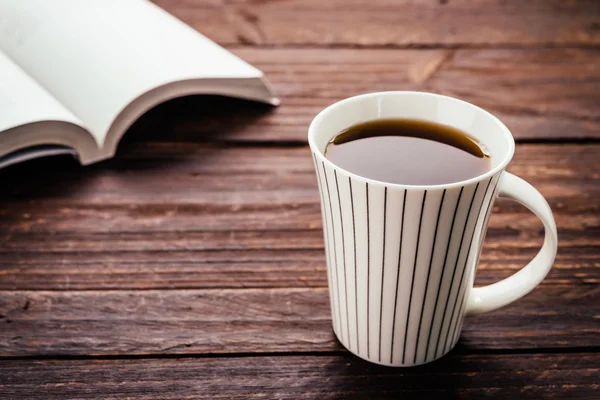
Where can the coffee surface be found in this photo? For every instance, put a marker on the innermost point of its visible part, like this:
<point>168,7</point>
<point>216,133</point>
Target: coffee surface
<point>410,152</point>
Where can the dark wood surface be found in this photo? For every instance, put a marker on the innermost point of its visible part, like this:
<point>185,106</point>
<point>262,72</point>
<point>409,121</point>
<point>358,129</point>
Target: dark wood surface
<point>192,265</point>
<point>327,376</point>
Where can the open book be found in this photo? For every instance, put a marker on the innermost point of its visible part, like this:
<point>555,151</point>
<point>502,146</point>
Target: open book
<point>74,75</point>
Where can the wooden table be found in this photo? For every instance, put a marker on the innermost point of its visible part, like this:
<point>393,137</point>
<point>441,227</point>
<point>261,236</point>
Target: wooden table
<point>192,264</point>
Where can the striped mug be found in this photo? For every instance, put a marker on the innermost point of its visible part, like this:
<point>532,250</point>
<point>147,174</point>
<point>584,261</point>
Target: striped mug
<point>401,258</point>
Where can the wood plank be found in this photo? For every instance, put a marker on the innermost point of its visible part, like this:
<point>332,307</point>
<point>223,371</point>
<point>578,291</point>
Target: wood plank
<point>197,187</point>
<point>222,189</point>
<point>458,376</point>
<point>225,321</point>
<point>525,82</point>
<point>541,94</point>
<point>396,23</point>
<point>241,260</point>
<point>526,77</point>
<point>162,217</point>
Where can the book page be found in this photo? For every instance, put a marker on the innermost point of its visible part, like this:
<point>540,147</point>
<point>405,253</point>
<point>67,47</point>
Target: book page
<point>24,101</point>
<point>96,56</point>
<point>34,152</point>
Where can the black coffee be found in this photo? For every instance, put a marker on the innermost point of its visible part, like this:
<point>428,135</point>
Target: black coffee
<point>407,151</point>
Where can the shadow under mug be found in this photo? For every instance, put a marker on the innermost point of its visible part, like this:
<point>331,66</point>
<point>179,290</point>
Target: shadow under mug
<point>401,259</point>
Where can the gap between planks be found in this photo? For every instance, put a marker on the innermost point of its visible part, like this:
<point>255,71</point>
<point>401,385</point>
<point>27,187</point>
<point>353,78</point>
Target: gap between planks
<point>415,46</point>
<point>229,287</point>
<point>458,351</point>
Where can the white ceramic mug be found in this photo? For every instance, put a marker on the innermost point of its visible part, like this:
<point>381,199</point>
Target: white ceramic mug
<point>401,258</point>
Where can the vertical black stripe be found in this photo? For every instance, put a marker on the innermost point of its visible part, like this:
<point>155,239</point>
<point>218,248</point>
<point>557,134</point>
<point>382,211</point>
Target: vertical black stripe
<point>437,223</point>
<point>326,238</point>
<point>437,297</point>
<point>454,271</point>
<point>398,277</point>
<point>355,268</point>
<point>412,284</point>
<point>337,280</point>
<point>455,325</point>
<point>368,273</point>
<point>489,208</point>
<point>464,272</point>
<point>382,268</point>
<point>483,228</point>
<point>464,269</point>
<point>344,258</point>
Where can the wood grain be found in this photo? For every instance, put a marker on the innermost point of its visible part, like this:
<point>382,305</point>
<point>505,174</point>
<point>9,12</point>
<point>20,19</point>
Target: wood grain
<point>527,80</point>
<point>257,260</point>
<point>541,94</point>
<point>227,321</point>
<point>202,216</point>
<point>192,266</point>
<point>393,23</point>
<point>457,376</point>
<point>198,187</point>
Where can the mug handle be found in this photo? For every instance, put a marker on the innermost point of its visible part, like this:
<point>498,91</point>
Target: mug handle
<point>499,294</point>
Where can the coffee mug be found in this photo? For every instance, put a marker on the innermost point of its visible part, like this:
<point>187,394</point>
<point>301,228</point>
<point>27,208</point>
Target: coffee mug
<point>401,259</point>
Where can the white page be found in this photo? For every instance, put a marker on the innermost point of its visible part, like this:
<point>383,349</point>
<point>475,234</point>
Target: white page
<point>96,56</point>
<point>24,101</point>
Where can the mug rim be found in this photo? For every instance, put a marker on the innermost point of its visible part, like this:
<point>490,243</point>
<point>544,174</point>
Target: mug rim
<point>406,93</point>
